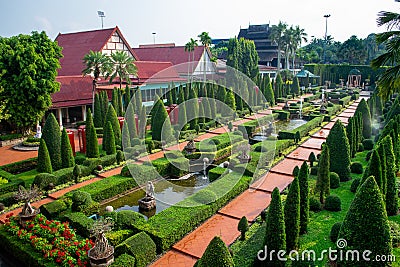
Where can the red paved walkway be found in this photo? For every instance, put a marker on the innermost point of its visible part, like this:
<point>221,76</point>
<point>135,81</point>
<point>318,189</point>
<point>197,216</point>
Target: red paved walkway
<point>176,259</point>
<point>286,166</point>
<point>9,155</point>
<point>62,192</point>
<point>302,153</point>
<point>272,180</point>
<point>314,143</point>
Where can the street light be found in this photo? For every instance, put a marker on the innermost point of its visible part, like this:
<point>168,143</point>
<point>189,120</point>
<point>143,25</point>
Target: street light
<point>154,37</point>
<point>101,15</point>
<point>326,32</point>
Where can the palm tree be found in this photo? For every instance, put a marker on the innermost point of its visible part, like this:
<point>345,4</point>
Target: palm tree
<point>122,66</point>
<point>389,81</point>
<point>277,36</point>
<point>189,47</point>
<point>193,45</point>
<point>299,35</point>
<point>97,64</point>
<point>288,43</point>
<point>205,39</point>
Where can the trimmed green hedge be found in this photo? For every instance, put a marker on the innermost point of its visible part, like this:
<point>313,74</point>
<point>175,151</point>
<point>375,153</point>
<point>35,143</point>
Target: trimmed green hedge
<point>303,129</point>
<point>215,173</point>
<point>117,237</point>
<point>109,187</point>
<point>6,175</point>
<point>140,246</point>
<point>8,199</point>
<point>7,137</point>
<point>170,225</point>
<point>53,209</point>
<point>124,260</point>
<point>20,166</point>
<point>80,222</point>
<point>344,101</point>
<point>11,186</point>
<point>21,251</point>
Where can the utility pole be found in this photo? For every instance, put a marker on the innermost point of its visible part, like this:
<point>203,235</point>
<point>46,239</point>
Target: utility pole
<point>101,15</point>
<point>326,35</point>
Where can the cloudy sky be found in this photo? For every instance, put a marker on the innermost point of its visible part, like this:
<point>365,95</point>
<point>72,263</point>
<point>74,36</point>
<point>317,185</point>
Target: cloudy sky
<point>179,20</point>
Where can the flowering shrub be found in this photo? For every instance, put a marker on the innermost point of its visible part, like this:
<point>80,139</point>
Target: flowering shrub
<point>55,240</point>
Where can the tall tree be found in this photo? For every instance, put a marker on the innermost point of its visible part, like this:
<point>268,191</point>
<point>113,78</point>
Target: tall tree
<point>130,120</point>
<point>29,66</point>
<point>275,237</point>
<point>51,134</point>
<point>339,151</point>
<point>277,36</point>
<point>374,169</point>
<point>189,47</point>
<point>160,124</point>
<point>304,197</point>
<point>96,64</point>
<point>122,66</point>
<point>375,234</point>
<point>269,92</point>
<point>142,122</point>
<point>323,179</point>
<point>292,216</point>
<point>67,156</point>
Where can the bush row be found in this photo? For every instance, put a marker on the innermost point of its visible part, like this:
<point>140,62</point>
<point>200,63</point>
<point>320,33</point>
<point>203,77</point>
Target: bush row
<point>80,222</point>
<point>108,187</point>
<point>20,166</point>
<point>140,246</point>
<point>170,225</point>
<point>344,101</point>
<point>303,129</point>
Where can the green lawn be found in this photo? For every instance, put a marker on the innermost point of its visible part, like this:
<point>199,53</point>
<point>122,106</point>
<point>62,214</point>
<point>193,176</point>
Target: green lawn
<point>28,176</point>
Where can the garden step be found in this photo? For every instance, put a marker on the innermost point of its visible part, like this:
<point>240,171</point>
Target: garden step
<point>175,258</point>
<point>272,180</point>
<point>313,143</point>
<point>302,153</point>
<point>286,166</point>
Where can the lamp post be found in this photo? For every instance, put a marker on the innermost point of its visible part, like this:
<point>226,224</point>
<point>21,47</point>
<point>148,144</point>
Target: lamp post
<point>154,37</point>
<point>101,15</point>
<point>326,32</point>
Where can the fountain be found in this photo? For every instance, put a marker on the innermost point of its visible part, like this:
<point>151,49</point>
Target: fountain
<point>205,162</point>
<point>301,108</point>
<point>148,202</point>
<point>244,156</point>
<point>263,131</point>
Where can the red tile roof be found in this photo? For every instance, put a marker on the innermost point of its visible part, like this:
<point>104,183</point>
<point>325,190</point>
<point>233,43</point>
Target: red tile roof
<point>153,72</point>
<point>175,54</point>
<point>77,45</point>
<point>74,91</point>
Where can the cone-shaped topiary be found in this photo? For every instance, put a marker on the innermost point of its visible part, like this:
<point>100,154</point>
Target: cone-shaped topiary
<point>182,116</point>
<point>366,226</point>
<point>142,122</point>
<point>67,156</point>
<point>312,158</point>
<point>126,140</point>
<point>112,117</point>
<point>350,136</point>
<point>44,163</point>
<point>192,108</point>
<point>97,116</point>
<point>339,151</point>
<point>77,173</point>
<point>216,254</point>
<point>269,92</point>
<point>292,216</point>
<point>92,145</point>
<point>109,139</point>
<point>304,197</point>
<point>374,169</point>
<point>243,227</point>
<point>392,206</point>
<point>160,123</point>
<point>296,171</point>
<point>131,122</point>
<point>295,87</point>
<point>52,136</point>
<point>382,156</point>
<point>363,109</point>
<point>323,180</point>
<point>275,237</point>
<point>104,106</point>
<point>202,118</point>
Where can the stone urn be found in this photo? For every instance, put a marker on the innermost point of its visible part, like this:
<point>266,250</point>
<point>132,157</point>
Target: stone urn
<point>190,147</point>
<point>103,260</point>
<point>147,203</point>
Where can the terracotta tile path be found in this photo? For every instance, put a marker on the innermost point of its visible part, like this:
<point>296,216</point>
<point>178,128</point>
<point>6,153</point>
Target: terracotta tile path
<point>224,223</point>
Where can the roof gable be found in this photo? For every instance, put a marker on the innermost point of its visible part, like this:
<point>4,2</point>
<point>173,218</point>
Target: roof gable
<point>76,45</point>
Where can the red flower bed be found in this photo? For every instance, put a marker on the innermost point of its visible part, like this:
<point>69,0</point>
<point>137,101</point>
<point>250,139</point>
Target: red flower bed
<point>55,240</point>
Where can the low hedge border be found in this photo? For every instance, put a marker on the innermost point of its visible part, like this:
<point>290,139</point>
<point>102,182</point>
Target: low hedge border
<point>108,187</point>
<point>80,222</point>
<point>20,166</point>
<point>140,246</point>
<point>215,173</point>
<point>303,129</point>
<point>170,225</point>
<point>344,101</point>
